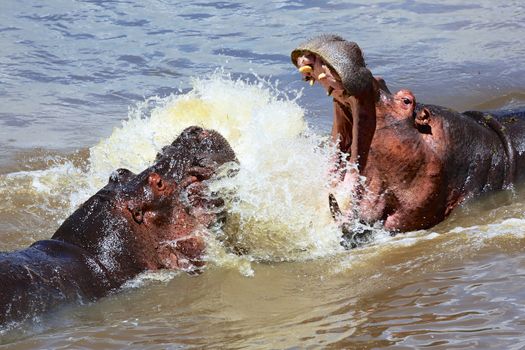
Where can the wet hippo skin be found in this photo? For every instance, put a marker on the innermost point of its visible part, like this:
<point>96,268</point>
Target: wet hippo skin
<point>135,223</point>
<point>420,161</point>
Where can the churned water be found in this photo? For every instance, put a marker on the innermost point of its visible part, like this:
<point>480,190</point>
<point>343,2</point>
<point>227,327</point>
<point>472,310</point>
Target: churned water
<point>90,86</point>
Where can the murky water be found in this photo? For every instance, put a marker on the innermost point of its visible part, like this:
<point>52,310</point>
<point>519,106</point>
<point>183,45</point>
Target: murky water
<point>78,82</point>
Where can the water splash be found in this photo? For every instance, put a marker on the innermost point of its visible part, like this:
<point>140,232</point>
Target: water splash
<point>279,210</point>
<point>277,203</point>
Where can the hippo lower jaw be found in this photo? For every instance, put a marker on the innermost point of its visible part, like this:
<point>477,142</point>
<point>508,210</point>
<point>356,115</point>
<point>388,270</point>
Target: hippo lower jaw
<point>184,253</point>
<point>185,244</point>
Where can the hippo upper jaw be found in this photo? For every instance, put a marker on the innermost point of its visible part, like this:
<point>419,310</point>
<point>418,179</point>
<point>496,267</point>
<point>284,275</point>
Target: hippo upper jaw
<point>339,67</point>
<point>339,59</point>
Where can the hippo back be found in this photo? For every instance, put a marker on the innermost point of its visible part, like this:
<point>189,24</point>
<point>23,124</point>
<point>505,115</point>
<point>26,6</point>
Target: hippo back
<point>48,273</point>
<point>513,122</point>
<point>509,125</point>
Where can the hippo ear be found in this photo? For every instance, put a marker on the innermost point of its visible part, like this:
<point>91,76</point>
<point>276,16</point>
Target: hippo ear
<point>161,153</point>
<point>120,175</point>
<point>334,207</point>
<point>155,181</point>
<point>422,121</point>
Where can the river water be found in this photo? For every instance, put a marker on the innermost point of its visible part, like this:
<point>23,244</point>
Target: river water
<point>90,86</point>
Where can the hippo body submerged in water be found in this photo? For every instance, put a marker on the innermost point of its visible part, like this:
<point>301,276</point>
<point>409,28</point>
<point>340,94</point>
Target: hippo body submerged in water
<point>419,161</point>
<point>135,223</point>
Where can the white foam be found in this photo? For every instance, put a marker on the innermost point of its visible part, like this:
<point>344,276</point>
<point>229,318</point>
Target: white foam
<point>162,276</point>
<point>512,227</point>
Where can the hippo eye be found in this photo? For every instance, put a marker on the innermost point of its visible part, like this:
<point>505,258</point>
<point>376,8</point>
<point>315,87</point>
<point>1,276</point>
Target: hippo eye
<point>407,101</point>
<point>160,184</point>
<point>137,215</point>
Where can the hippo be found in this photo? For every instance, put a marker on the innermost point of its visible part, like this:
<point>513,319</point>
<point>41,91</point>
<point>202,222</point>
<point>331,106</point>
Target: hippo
<point>418,161</point>
<point>150,221</point>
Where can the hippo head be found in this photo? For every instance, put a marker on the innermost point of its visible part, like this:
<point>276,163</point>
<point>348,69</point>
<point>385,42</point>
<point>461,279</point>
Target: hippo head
<point>155,219</point>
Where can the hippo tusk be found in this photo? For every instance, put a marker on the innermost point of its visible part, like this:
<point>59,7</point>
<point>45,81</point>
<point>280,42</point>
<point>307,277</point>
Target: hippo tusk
<point>334,207</point>
<point>329,91</point>
<point>349,239</point>
<point>305,69</point>
<point>321,76</point>
<point>312,82</point>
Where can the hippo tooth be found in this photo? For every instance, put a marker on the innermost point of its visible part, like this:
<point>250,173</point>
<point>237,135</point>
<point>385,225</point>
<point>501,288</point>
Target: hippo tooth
<point>330,90</point>
<point>312,82</point>
<point>321,76</point>
<point>305,69</point>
